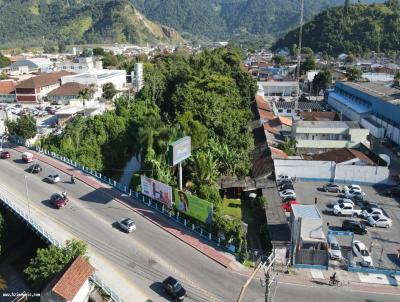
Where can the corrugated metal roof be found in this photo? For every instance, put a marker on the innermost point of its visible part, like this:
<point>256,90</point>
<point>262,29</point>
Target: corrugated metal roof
<point>306,211</point>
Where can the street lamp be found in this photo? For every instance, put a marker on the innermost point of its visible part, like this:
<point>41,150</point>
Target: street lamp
<point>27,195</point>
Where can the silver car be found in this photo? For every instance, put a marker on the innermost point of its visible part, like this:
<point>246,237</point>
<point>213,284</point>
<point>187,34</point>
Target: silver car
<point>53,178</point>
<point>127,224</point>
<point>379,221</point>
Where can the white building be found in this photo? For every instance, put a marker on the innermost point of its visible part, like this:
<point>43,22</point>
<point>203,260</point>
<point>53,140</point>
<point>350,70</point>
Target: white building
<point>139,77</point>
<point>31,65</point>
<point>80,65</point>
<point>278,88</point>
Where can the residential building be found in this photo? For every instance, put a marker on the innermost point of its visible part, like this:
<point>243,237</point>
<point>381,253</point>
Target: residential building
<point>71,285</point>
<point>279,88</point>
<point>34,89</point>
<point>7,91</point>
<point>65,93</point>
<point>293,108</point>
<point>80,64</point>
<point>31,65</point>
<point>318,116</point>
<point>374,105</point>
<point>321,136</point>
<point>377,77</point>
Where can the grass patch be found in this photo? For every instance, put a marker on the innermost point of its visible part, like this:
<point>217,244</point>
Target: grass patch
<point>248,263</point>
<point>232,207</point>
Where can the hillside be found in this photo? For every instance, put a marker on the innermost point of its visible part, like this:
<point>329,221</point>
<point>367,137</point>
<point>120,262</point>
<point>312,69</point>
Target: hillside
<point>358,29</point>
<point>29,22</point>
<point>225,19</point>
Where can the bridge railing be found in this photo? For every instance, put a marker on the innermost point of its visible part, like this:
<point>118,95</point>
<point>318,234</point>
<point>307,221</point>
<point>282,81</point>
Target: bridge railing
<point>139,197</point>
<point>27,219</point>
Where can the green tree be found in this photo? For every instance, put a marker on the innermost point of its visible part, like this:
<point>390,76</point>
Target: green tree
<point>62,47</point>
<point>51,260</point>
<point>397,78</point>
<point>98,51</point>
<point>289,146</point>
<point>354,74</point>
<point>197,131</point>
<point>4,61</point>
<point>308,64</point>
<point>109,91</point>
<point>350,58</point>
<point>24,126</point>
<point>321,81</point>
<point>49,48</point>
<point>3,76</point>
<point>109,60</point>
<point>307,51</point>
<point>205,168</point>
<point>279,60</point>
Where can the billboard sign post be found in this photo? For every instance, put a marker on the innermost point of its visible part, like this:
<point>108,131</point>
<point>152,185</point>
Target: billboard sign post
<point>179,151</point>
<point>156,190</point>
<point>193,206</point>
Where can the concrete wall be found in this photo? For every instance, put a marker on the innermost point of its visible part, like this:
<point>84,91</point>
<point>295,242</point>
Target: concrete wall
<point>330,171</point>
<point>377,132</point>
<point>83,294</point>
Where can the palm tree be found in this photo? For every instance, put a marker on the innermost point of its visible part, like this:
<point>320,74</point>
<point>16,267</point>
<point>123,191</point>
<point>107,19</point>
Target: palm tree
<point>205,168</point>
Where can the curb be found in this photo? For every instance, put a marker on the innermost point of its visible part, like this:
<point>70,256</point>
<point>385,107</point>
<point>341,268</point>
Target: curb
<point>125,203</point>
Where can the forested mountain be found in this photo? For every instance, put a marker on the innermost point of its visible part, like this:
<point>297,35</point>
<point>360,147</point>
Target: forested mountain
<point>224,19</point>
<point>28,22</point>
<point>359,28</point>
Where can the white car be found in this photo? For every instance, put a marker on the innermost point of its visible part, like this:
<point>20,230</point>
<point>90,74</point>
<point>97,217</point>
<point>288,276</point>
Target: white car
<point>287,193</point>
<point>342,200</point>
<point>354,193</point>
<point>53,178</point>
<point>127,224</point>
<point>371,212</point>
<point>352,187</point>
<point>360,250</point>
<point>379,221</point>
<point>345,209</point>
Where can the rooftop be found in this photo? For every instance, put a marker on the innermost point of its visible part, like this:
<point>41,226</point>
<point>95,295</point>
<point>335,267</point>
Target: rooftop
<point>319,116</point>
<point>328,124</point>
<point>342,155</point>
<point>279,83</point>
<point>306,211</point>
<point>379,90</point>
<point>68,89</point>
<point>317,105</point>
<point>7,86</point>
<point>44,79</point>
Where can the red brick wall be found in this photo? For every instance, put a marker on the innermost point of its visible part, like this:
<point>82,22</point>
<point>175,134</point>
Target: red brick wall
<point>25,90</point>
<point>26,99</point>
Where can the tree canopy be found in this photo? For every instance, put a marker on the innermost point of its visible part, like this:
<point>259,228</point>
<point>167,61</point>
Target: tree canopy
<point>4,61</point>
<point>24,126</point>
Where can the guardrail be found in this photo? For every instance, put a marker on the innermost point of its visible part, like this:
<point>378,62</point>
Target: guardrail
<point>139,197</point>
<point>50,239</point>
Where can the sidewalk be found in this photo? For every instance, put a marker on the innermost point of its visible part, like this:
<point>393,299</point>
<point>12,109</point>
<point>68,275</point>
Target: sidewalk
<point>203,246</point>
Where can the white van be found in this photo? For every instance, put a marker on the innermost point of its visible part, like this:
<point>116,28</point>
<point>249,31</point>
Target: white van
<point>334,248</point>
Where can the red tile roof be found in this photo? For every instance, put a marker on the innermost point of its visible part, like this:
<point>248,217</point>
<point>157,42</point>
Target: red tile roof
<point>267,115</point>
<point>7,86</point>
<point>270,129</point>
<point>343,155</point>
<point>68,89</point>
<point>74,277</point>
<point>278,153</point>
<point>44,79</point>
<point>319,116</point>
<point>262,103</point>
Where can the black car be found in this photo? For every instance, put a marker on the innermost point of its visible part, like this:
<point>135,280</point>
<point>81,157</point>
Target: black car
<point>284,182</point>
<point>174,288</point>
<point>287,186</point>
<point>394,192</point>
<point>36,168</point>
<point>354,226</point>
<point>357,199</point>
<point>288,198</point>
<point>332,187</point>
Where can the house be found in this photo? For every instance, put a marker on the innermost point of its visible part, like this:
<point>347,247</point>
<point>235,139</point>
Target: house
<point>65,93</point>
<point>33,90</point>
<point>7,91</point>
<point>294,107</point>
<point>374,105</point>
<point>31,65</point>
<point>321,136</point>
<point>71,285</point>
<point>80,64</point>
<point>346,156</point>
<point>279,88</point>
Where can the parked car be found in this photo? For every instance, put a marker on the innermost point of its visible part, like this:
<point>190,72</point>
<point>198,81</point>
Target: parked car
<point>370,212</point>
<point>58,200</point>
<point>284,181</point>
<point>361,251</point>
<point>354,193</point>
<point>287,186</point>
<point>35,168</point>
<point>343,200</point>
<point>287,206</point>
<point>288,198</point>
<point>332,187</point>
<point>283,177</point>
<point>352,187</point>
<point>369,204</point>
<point>127,224</point>
<point>174,288</point>
<point>334,248</point>
<point>354,226</point>
<point>5,154</point>
<point>379,221</point>
<point>287,193</point>
<point>345,209</point>
<point>53,178</point>
<point>394,192</point>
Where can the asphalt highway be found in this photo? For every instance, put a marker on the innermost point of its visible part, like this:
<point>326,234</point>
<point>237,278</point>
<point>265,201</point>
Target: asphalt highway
<point>144,257</point>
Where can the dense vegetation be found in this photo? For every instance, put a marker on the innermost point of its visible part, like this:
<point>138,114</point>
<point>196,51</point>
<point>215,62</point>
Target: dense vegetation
<point>24,126</point>
<point>358,28</point>
<point>32,22</point>
<point>227,19</point>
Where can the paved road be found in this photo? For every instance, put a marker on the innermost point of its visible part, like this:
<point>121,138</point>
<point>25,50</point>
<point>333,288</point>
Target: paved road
<point>144,257</point>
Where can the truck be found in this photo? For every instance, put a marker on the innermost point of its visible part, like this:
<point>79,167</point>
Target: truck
<point>27,157</point>
<point>346,209</point>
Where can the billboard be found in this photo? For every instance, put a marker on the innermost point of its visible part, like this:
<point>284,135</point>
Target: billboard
<point>156,190</point>
<point>179,150</point>
<point>193,206</point>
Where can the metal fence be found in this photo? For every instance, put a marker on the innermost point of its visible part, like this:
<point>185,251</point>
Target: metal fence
<point>139,197</point>
<point>37,228</point>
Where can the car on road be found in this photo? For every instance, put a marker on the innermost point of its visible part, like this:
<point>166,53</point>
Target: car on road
<point>287,199</point>
<point>58,200</point>
<point>370,212</point>
<point>345,209</point>
<point>287,186</point>
<point>379,221</point>
<point>334,248</point>
<point>35,168</point>
<point>5,155</point>
<point>354,193</point>
<point>354,226</point>
<point>287,206</point>
<point>352,187</point>
<point>174,288</point>
<point>361,251</point>
<point>393,192</point>
<point>343,200</point>
<point>53,178</point>
<point>287,193</point>
<point>332,187</point>
<point>127,224</point>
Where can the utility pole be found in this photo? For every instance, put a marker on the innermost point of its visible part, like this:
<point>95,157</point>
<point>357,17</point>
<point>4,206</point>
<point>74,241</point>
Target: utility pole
<point>296,103</point>
<point>27,195</point>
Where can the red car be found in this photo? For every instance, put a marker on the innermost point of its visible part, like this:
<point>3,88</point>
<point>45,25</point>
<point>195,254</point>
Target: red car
<point>287,207</point>
<point>58,200</point>
<point>5,155</point>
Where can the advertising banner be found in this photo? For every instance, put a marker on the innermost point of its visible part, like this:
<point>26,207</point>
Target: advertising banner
<point>156,190</point>
<point>179,150</point>
<point>193,206</point>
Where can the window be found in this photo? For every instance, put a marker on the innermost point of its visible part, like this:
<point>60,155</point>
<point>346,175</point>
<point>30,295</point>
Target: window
<point>280,110</point>
<point>64,67</point>
<point>80,67</point>
<point>289,111</point>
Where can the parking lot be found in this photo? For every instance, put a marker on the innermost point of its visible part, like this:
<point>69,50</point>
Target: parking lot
<point>383,243</point>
